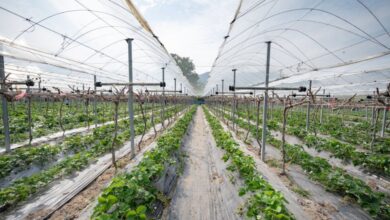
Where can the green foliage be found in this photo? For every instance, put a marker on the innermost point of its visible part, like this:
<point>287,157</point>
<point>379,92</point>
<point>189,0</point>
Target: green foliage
<point>45,118</point>
<point>188,68</point>
<point>22,158</point>
<point>132,195</point>
<point>333,178</point>
<point>264,202</point>
<point>87,149</point>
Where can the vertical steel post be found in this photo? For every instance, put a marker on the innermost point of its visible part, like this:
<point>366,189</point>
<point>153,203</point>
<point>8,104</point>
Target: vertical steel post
<point>39,84</point>
<point>85,106</point>
<point>222,101</point>
<point>163,79</point>
<point>174,102</point>
<point>130,99</point>
<point>39,90</point>
<point>384,121</point>
<point>234,99</point>
<point>254,100</point>
<point>94,100</point>
<point>308,110</point>
<point>265,107</point>
<point>4,105</point>
<point>321,110</point>
<point>162,114</point>
<point>216,101</point>
<point>272,106</point>
<point>174,86</point>
<point>30,136</point>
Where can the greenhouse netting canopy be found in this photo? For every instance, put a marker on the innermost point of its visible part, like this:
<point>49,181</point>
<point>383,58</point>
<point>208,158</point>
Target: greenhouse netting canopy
<point>342,46</point>
<point>65,43</point>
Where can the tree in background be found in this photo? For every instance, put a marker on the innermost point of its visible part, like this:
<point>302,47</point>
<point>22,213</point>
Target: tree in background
<point>188,68</point>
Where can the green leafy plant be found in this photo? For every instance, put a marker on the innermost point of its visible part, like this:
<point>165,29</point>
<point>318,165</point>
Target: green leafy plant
<point>264,202</point>
<point>132,195</point>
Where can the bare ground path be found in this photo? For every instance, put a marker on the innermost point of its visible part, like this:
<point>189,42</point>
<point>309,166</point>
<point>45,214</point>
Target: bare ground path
<point>205,189</point>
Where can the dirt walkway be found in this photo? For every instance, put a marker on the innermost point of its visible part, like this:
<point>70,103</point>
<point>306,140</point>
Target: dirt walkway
<point>205,190</point>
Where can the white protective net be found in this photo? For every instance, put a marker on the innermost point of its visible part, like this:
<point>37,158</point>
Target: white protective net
<point>342,46</point>
<point>65,43</point>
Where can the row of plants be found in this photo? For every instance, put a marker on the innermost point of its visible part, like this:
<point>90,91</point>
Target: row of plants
<point>264,201</point>
<point>22,158</point>
<point>377,163</point>
<point>133,195</point>
<point>21,189</point>
<point>45,118</point>
<point>372,162</point>
<point>334,179</point>
<point>355,133</point>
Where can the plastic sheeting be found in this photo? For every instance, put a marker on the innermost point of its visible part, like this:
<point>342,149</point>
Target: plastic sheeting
<point>65,43</point>
<point>342,46</point>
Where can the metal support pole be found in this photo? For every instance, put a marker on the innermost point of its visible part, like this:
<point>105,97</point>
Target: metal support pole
<point>384,122</point>
<point>217,111</point>
<point>30,137</point>
<point>4,105</point>
<point>40,90</point>
<point>130,100</point>
<point>163,98</point>
<point>175,86</point>
<point>175,101</point>
<point>163,78</point>
<point>321,111</point>
<point>39,84</point>
<point>216,101</point>
<point>265,107</point>
<point>308,110</point>
<point>223,101</point>
<point>234,98</point>
<point>272,105</point>
<point>94,100</point>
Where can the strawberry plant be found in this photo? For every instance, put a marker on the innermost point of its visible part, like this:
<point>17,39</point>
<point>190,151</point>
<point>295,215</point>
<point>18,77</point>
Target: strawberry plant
<point>335,179</point>
<point>264,202</point>
<point>21,189</point>
<point>132,195</point>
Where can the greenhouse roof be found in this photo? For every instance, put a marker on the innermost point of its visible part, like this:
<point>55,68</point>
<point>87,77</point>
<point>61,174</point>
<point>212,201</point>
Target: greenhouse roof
<point>65,43</point>
<point>342,46</point>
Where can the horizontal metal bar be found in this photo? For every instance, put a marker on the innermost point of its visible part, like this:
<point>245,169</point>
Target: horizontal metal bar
<point>300,89</point>
<point>173,91</point>
<point>27,82</point>
<point>100,84</point>
<point>294,95</point>
<point>232,93</point>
